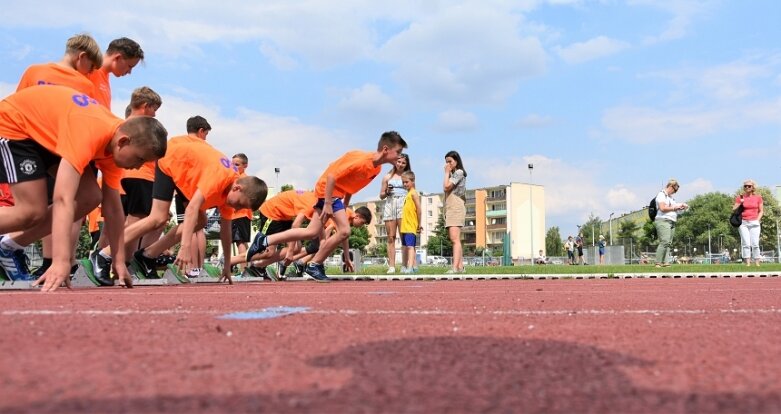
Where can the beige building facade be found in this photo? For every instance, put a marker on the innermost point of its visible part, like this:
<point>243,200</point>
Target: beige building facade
<point>515,212</point>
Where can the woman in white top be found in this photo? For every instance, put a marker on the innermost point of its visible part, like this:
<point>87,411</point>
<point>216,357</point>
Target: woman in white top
<point>393,192</point>
<point>666,217</point>
<point>455,208</point>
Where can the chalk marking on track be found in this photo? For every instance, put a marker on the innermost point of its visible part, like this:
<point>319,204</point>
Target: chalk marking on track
<point>422,312</point>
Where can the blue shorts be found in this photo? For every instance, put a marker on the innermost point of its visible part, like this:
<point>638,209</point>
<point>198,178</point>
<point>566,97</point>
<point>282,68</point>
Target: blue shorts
<point>336,204</point>
<point>408,239</point>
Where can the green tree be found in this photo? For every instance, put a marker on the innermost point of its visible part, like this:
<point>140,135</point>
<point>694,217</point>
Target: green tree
<point>359,238</point>
<point>554,246</point>
<point>439,243</point>
<point>590,230</point>
<point>286,187</point>
<point>708,215</point>
<point>628,237</point>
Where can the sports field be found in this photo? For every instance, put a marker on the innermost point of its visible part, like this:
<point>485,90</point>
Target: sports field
<point>563,346</point>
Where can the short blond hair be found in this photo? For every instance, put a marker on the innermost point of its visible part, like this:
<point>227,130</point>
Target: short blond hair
<point>750,181</point>
<point>673,183</point>
<point>83,42</point>
<point>145,95</point>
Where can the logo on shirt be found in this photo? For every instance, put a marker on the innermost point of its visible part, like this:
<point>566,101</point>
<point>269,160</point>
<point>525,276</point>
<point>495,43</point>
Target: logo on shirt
<point>228,164</point>
<point>83,100</point>
<point>28,167</point>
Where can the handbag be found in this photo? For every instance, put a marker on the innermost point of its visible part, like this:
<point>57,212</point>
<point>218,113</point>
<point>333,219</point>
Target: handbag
<point>736,218</point>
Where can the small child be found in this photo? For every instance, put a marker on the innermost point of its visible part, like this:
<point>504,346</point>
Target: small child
<point>344,177</point>
<point>410,221</point>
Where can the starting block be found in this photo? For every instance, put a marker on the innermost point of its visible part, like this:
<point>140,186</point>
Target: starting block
<point>85,277</point>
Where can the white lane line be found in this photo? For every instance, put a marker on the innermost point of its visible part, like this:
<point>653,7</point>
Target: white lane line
<point>421,312</point>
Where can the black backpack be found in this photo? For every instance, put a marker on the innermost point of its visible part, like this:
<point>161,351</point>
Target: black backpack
<point>652,209</point>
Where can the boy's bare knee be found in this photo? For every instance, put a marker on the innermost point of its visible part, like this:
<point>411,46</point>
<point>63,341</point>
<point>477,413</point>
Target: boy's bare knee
<point>158,221</point>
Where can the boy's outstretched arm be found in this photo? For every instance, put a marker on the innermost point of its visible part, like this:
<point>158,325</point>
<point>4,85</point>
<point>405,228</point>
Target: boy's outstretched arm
<point>183,259</point>
<point>114,222</point>
<point>226,241</point>
<point>63,215</point>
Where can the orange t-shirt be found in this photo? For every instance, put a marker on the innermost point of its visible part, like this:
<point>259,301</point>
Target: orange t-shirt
<point>352,172</point>
<point>248,213</point>
<point>146,172</point>
<point>67,123</point>
<point>194,165</point>
<point>350,214</point>
<point>55,74</point>
<point>286,205</point>
<point>6,198</point>
<point>100,82</point>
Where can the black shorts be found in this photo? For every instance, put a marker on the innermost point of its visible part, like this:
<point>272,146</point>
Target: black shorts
<point>241,229</point>
<point>138,196</point>
<point>269,227</point>
<point>580,251</point>
<point>181,204</point>
<point>24,160</point>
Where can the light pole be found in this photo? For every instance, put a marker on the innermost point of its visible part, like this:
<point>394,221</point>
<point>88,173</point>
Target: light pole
<point>709,246</point>
<point>610,225</point>
<point>276,171</point>
<point>531,215</point>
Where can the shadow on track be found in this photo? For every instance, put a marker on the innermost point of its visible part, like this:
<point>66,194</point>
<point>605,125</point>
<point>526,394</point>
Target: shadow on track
<point>451,374</point>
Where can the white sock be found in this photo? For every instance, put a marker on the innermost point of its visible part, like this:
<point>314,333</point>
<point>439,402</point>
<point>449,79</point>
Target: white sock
<point>105,255</point>
<point>8,243</point>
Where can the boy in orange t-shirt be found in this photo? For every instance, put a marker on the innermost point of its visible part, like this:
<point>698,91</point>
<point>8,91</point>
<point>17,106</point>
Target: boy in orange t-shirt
<point>206,179</point>
<point>344,177</point>
<point>137,195</point>
<point>242,219</point>
<point>82,56</point>
<point>121,56</point>
<point>58,130</point>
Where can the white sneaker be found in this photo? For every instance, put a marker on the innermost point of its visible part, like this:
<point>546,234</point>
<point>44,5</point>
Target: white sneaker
<point>391,270</point>
<point>404,269</point>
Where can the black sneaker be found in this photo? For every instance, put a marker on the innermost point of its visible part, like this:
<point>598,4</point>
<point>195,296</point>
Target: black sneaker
<point>40,271</point>
<point>164,260</point>
<point>299,267</point>
<point>258,245</point>
<point>101,269</point>
<point>146,265</point>
<point>281,269</point>
<point>316,272</point>
<point>254,271</point>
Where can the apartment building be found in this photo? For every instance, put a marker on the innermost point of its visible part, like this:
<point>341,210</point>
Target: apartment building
<point>515,211</point>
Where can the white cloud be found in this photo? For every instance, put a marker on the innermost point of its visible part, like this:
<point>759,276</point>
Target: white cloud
<point>451,57</point>
<point>683,14</point>
<point>301,151</point>
<point>622,198</point>
<point>369,104</point>
<point>535,121</point>
<point>457,121</point>
<point>696,187</point>
<point>591,49</point>
<point>649,125</point>
<point>6,89</point>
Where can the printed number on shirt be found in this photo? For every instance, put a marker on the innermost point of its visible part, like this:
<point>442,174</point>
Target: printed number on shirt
<point>83,100</point>
<point>228,164</point>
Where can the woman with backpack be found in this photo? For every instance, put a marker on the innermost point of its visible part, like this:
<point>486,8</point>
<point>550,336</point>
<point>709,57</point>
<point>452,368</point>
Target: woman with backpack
<point>664,222</point>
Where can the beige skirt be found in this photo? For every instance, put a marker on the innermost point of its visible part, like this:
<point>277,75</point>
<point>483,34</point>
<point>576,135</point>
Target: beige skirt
<point>455,211</point>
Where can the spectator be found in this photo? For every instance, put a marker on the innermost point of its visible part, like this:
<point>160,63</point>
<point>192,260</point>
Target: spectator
<point>541,259</point>
<point>666,217</point>
<point>394,194</point>
<point>753,208</point>
<point>579,247</point>
<point>569,245</point>
<point>455,209</point>
<point>601,245</point>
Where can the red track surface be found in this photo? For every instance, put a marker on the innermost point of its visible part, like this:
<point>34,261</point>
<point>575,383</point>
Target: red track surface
<point>656,346</point>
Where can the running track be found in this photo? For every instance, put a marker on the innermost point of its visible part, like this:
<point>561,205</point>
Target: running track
<point>638,345</point>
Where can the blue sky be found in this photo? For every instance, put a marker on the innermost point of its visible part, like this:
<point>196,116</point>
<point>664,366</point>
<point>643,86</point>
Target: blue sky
<point>608,99</point>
